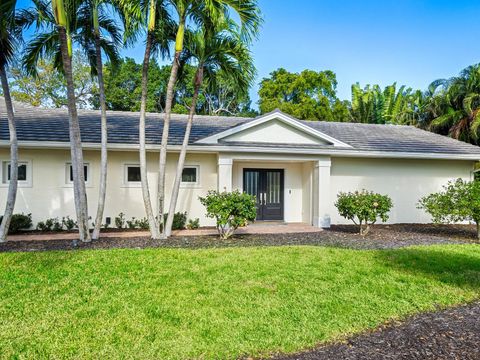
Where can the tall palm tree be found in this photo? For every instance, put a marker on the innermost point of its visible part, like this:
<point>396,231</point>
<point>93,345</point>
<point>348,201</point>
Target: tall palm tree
<point>64,13</point>
<point>10,34</point>
<point>160,30</point>
<point>213,48</point>
<point>455,105</point>
<point>57,28</point>
<point>215,11</point>
<point>94,15</point>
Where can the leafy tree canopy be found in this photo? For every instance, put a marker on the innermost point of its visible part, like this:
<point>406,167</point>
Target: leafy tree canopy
<point>390,105</point>
<point>47,89</point>
<point>123,90</point>
<point>308,95</point>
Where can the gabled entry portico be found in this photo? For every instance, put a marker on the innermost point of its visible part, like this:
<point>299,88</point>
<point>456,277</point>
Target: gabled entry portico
<point>287,188</point>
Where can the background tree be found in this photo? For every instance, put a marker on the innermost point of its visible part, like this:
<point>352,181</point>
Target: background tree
<point>10,35</point>
<point>454,106</point>
<point>123,86</point>
<point>123,91</point>
<point>226,97</point>
<point>308,95</point>
<point>388,106</point>
<point>47,88</point>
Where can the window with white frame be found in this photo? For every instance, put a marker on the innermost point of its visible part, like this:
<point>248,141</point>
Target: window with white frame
<point>190,175</point>
<point>132,174</point>
<point>69,173</point>
<point>24,173</point>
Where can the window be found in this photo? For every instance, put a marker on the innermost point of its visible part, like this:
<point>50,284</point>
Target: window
<point>69,173</point>
<point>132,175</point>
<point>23,172</point>
<point>190,175</point>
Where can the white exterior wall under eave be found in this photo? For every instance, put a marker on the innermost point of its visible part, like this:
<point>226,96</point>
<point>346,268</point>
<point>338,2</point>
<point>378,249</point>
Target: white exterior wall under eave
<point>405,181</point>
<point>49,195</point>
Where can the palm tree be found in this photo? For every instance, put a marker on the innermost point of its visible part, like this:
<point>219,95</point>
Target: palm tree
<point>160,30</point>
<point>214,11</point>
<point>10,34</point>
<point>64,12</point>
<point>388,106</point>
<point>94,15</point>
<point>213,49</point>
<point>57,29</point>
<point>454,106</point>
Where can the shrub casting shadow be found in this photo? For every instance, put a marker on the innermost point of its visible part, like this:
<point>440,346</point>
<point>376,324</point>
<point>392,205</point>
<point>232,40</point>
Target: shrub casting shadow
<point>458,269</point>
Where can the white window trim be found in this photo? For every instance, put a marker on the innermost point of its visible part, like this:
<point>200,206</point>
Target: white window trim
<point>69,183</point>
<point>21,183</point>
<point>192,184</point>
<point>130,184</point>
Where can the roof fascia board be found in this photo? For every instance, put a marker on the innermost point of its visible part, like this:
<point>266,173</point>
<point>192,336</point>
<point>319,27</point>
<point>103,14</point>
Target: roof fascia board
<point>258,149</point>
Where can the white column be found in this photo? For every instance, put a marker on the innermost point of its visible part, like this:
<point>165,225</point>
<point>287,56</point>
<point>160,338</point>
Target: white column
<point>321,193</point>
<point>225,179</point>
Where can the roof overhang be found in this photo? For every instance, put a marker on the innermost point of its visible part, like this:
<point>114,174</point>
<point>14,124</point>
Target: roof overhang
<point>221,148</point>
<point>275,115</point>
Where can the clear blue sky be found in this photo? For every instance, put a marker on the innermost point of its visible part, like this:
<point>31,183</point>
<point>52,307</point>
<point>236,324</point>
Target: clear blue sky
<point>409,41</point>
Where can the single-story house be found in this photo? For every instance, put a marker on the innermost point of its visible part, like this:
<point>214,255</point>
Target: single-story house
<point>295,168</point>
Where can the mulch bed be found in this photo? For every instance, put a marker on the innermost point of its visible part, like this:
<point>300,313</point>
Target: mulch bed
<point>448,334</point>
<point>345,236</point>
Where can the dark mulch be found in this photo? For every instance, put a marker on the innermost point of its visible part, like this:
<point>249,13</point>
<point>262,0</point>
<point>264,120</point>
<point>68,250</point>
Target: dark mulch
<point>345,236</point>
<point>449,334</point>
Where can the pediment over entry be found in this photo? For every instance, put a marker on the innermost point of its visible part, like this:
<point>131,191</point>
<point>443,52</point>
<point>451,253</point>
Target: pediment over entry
<point>273,128</point>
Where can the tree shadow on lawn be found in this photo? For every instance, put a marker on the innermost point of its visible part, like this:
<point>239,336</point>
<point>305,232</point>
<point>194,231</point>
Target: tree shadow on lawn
<point>450,266</point>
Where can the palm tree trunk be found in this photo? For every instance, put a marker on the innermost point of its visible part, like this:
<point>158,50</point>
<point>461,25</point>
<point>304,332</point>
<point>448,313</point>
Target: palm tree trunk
<point>152,223</point>
<point>12,186</point>
<point>162,164</point>
<point>79,191</point>
<point>183,152</point>
<point>163,148</point>
<point>104,141</point>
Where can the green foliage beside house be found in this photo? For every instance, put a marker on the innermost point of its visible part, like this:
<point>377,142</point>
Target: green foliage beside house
<point>459,201</point>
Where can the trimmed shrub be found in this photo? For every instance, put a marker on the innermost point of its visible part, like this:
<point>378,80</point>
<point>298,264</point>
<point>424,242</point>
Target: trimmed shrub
<point>231,210</point>
<point>51,224</point>
<point>142,224</point>
<point>19,222</point>
<point>132,224</point>
<point>68,223</point>
<point>179,220</point>
<point>459,201</point>
<point>120,221</point>
<point>193,224</point>
<point>364,208</point>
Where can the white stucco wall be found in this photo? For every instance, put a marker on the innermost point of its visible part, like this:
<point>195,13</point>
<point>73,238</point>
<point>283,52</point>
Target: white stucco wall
<point>50,196</point>
<point>405,181</point>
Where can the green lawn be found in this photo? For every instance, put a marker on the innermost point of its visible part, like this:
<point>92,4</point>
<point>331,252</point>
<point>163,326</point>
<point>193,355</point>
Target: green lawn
<point>217,303</point>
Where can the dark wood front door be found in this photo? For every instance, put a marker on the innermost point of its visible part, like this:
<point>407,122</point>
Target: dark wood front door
<point>267,187</point>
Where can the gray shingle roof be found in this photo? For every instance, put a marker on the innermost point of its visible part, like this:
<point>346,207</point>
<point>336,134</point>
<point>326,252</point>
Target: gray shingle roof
<point>37,124</point>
